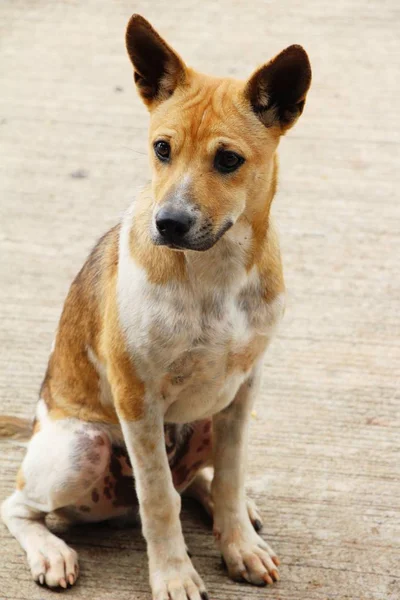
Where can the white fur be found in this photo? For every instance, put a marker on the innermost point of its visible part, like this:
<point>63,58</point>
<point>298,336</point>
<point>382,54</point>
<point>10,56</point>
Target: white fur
<point>106,397</point>
<point>186,329</point>
<point>181,335</point>
<point>55,472</point>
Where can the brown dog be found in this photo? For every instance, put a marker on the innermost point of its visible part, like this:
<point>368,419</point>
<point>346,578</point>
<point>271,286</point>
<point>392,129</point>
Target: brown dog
<point>158,353</point>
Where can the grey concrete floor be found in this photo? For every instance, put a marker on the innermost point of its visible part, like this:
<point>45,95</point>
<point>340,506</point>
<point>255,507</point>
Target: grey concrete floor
<point>325,443</point>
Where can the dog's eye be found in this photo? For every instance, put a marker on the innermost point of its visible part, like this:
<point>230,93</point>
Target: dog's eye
<point>226,161</point>
<point>162,150</point>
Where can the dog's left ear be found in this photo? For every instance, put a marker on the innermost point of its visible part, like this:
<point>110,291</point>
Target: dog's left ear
<point>158,69</point>
<point>277,91</point>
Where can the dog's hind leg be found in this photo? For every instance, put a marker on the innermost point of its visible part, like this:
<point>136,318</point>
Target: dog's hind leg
<point>64,459</point>
<point>50,559</point>
<point>200,490</point>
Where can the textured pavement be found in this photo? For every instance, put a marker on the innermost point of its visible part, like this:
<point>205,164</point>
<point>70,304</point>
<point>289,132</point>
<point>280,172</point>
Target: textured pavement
<point>325,443</point>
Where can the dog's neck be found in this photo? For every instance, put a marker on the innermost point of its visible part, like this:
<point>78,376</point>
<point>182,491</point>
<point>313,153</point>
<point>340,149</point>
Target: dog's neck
<point>225,264</point>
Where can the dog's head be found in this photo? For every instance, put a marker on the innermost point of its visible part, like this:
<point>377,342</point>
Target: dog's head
<point>212,140</point>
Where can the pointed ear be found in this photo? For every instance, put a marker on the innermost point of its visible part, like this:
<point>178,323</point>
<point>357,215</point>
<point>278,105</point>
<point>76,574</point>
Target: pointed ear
<point>158,70</point>
<point>277,91</point>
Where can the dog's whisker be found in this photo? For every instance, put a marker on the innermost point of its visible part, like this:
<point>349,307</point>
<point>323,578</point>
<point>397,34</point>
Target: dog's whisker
<point>133,150</point>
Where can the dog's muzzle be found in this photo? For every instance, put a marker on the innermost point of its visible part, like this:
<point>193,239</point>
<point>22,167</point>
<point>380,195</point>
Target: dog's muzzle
<point>184,228</point>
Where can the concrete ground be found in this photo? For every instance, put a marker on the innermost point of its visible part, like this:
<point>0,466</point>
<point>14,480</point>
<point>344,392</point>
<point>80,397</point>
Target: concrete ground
<point>325,443</point>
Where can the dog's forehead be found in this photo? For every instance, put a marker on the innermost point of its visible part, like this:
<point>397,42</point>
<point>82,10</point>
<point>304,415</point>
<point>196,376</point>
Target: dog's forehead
<point>206,108</point>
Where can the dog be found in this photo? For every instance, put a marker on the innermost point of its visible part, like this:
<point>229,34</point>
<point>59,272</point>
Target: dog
<point>156,362</point>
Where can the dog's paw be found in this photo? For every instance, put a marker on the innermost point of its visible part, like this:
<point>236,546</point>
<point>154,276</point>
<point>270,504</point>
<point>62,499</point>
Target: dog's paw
<point>177,582</point>
<point>53,563</point>
<point>249,557</point>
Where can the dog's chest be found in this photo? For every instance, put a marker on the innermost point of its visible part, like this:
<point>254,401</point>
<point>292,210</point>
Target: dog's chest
<point>200,373</point>
<point>195,345</point>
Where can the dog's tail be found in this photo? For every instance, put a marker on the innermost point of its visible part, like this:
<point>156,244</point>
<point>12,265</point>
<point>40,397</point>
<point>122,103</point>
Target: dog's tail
<point>15,428</point>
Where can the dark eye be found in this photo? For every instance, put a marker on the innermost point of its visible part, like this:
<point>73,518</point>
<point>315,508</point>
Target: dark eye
<point>162,150</point>
<point>226,161</point>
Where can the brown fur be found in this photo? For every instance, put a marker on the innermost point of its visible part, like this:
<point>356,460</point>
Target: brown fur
<point>243,360</point>
<point>128,389</point>
<point>192,121</point>
<point>269,264</point>
<point>71,384</point>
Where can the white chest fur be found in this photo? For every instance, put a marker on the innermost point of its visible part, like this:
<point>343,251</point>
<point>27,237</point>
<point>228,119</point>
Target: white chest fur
<point>194,342</point>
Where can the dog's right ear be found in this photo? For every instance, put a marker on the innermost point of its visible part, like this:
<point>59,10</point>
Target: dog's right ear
<point>158,70</point>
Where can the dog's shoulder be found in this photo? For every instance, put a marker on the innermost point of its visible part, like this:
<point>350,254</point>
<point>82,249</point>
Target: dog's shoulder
<point>71,384</point>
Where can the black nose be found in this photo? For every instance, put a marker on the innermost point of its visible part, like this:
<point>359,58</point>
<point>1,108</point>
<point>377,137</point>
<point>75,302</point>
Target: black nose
<point>173,223</point>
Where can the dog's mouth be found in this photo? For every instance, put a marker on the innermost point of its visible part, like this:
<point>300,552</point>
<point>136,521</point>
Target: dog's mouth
<point>199,241</point>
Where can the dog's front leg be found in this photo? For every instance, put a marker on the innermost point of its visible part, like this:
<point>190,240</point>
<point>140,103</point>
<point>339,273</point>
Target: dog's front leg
<point>246,554</point>
<point>172,575</point>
